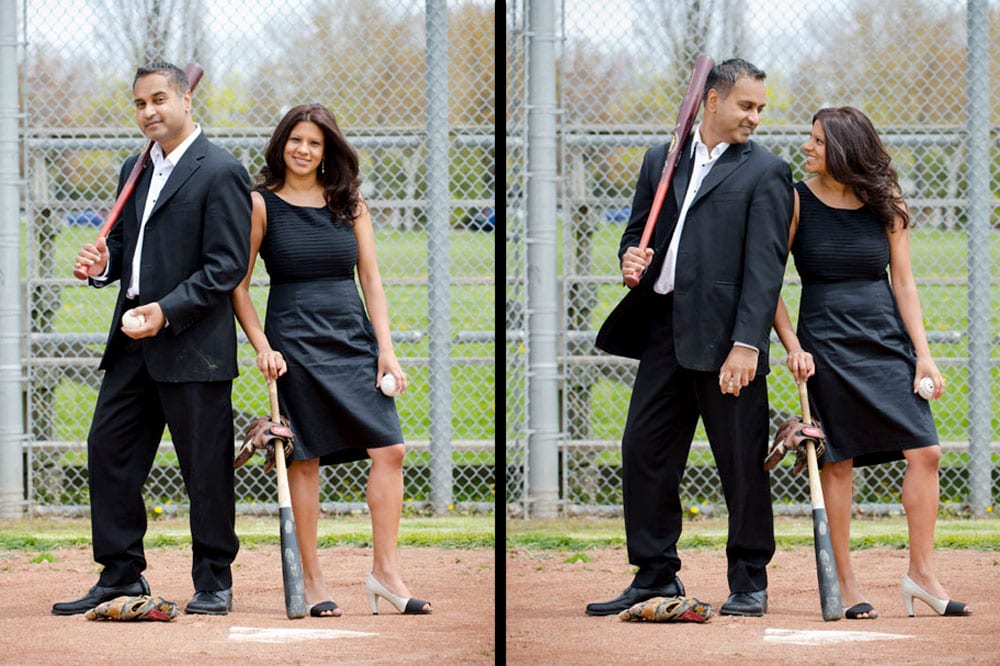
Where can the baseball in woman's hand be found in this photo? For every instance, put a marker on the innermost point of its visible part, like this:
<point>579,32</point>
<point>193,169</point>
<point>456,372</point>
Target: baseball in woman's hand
<point>926,388</point>
<point>388,384</point>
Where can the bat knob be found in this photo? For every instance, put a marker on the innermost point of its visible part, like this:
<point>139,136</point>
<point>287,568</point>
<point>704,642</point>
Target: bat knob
<point>80,273</point>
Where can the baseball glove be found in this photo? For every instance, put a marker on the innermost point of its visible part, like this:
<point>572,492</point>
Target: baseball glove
<point>668,609</point>
<point>792,435</point>
<point>260,436</point>
<point>133,609</point>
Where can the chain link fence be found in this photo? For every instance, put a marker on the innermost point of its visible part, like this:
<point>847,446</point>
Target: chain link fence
<point>621,70</point>
<point>366,60</point>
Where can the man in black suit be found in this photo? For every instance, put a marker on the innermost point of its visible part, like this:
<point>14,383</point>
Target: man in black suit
<point>180,248</point>
<point>699,322</point>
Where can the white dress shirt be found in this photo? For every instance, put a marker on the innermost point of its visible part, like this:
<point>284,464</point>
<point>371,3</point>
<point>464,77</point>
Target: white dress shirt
<point>703,163</point>
<point>163,166</point>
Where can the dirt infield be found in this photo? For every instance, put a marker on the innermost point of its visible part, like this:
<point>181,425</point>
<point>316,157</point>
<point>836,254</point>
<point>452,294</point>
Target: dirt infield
<point>459,583</point>
<point>546,596</point>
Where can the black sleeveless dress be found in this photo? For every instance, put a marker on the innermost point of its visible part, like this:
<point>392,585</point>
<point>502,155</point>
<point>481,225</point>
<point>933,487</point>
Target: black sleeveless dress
<point>316,319</point>
<point>848,319</point>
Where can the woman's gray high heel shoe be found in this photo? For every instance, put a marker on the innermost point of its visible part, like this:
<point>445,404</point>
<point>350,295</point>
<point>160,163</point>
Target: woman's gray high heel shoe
<point>375,589</point>
<point>941,606</point>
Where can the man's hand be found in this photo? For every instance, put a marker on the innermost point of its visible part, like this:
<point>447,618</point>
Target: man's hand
<point>154,321</point>
<point>635,261</point>
<point>738,371</point>
<point>92,258</point>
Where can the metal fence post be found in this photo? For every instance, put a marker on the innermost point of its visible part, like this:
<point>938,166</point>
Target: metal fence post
<point>11,400</point>
<point>978,156</point>
<point>543,313</point>
<point>439,267</point>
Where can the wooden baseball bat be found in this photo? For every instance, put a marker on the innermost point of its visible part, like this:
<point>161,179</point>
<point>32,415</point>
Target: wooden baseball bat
<point>685,120</point>
<point>194,72</point>
<point>826,566</point>
<point>291,560</point>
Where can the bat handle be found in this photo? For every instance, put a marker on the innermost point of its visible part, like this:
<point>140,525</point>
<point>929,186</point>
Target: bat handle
<point>804,399</point>
<point>815,489</point>
<point>272,391</point>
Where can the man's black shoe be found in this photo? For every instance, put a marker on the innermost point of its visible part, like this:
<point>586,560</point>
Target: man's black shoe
<point>634,595</point>
<point>215,602</point>
<point>98,595</point>
<point>749,604</point>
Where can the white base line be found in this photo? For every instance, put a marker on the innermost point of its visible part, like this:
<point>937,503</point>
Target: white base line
<point>273,635</point>
<point>796,637</point>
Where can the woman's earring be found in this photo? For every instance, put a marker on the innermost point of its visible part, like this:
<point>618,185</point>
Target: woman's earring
<point>322,166</point>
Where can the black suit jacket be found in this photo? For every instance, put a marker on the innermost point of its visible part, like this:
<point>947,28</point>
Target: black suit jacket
<point>730,262</point>
<point>196,250</point>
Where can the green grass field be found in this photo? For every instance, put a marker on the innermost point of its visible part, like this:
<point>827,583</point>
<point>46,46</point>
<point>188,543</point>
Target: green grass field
<point>403,260</point>
<point>348,530</point>
<point>582,534</point>
<point>936,255</point>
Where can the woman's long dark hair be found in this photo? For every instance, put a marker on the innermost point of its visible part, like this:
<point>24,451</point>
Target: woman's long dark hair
<point>339,171</point>
<point>856,157</point>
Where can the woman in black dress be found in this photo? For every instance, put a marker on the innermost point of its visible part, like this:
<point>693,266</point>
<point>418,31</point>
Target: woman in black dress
<point>330,349</point>
<point>861,338</point>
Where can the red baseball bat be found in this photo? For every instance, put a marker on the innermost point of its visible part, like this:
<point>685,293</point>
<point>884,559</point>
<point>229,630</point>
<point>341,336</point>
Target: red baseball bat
<point>193,71</point>
<point>685,120</point>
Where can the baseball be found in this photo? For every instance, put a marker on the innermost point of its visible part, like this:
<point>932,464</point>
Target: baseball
<point>926,388</point>
<point>132,320</point>
<point>388,384</point>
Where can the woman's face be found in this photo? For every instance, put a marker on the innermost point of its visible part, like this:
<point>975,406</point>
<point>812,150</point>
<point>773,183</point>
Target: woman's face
<point>304,148</point>
<point>815,150</point>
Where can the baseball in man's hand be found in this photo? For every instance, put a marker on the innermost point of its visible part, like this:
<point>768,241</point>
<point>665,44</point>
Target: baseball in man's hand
<point>132,319</point>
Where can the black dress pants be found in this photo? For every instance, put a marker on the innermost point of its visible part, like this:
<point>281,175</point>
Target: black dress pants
<point>128,423</point>
<point>667,401</point>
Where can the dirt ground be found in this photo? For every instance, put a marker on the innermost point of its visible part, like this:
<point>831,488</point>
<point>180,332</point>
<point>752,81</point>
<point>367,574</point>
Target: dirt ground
<point>546,624</point>
<point>459,584</point>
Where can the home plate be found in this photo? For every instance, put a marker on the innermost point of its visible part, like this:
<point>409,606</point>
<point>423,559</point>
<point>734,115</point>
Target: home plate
<point>795,637</point>
<point>272,635</point>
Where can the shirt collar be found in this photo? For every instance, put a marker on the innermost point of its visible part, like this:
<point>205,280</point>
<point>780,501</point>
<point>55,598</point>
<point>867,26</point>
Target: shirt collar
<point>718,150</point>
<point>177,153</point>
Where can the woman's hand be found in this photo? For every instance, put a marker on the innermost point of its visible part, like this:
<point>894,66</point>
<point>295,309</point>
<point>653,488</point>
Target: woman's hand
<point>271,364</point>
<point>927,368</point>
<point>801,364</point>
<point>391,365</point>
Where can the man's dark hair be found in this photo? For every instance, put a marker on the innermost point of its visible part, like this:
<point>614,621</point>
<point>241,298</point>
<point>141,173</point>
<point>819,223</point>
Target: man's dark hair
<point>725,75</point>
<point>176,77</point>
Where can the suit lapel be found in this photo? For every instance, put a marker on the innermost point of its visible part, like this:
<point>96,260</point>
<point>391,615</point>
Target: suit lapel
<point>683,174</point>
<point>727,164</point>
<point>184,169</point>
<point>142,190</point>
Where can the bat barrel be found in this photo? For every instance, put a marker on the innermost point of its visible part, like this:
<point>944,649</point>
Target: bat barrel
<point>826,568</point>
<point>685,120</point>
